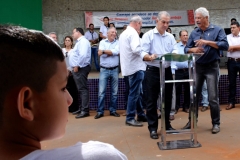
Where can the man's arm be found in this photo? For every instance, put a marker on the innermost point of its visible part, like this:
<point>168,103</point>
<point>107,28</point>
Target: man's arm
<point>102,36</point>
<point>191,48</point>
<point>234,48</point>
<point>110,52</point>
<point>83,49</point>
<point>146,45</point>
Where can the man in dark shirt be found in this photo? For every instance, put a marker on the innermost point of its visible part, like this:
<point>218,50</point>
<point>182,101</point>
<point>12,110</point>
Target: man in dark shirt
<point>207,39</point>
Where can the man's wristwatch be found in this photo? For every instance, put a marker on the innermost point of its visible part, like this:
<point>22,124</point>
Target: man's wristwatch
<point>103,52</point>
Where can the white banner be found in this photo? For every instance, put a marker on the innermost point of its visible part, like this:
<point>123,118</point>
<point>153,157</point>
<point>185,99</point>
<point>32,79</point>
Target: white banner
<point>149,18</point>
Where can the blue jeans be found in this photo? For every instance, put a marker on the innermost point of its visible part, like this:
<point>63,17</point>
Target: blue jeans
<point>126,91</point>
<point>134,97</point>
<point>105,76</point>
<point>233,69</point>
<point>205,102</point>
<point>95,57</point>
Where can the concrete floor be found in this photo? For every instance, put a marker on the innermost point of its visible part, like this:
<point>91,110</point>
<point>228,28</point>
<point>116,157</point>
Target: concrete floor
<point>136,144</point>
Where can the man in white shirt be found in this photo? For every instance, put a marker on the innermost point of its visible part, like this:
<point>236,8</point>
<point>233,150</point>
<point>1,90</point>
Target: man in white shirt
<point>132,65</point>
<point>92,36</point>
<point>233,64</point>
<point>104,28</point>
<point>160,42</point>
<point>79,60</point>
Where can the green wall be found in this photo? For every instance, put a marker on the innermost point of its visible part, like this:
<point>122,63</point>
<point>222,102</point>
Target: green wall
<point>26,13</point>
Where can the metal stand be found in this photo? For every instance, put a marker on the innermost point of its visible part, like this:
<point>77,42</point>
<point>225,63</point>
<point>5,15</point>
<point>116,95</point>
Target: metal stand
<point>179,144</point>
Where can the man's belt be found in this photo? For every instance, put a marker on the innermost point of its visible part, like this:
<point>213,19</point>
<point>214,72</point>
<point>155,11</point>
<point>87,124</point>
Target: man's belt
<point>234,59</point>
<point>109,68</point>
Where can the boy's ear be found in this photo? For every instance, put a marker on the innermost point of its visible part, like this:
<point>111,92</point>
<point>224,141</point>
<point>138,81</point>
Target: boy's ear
<point>25,103</point>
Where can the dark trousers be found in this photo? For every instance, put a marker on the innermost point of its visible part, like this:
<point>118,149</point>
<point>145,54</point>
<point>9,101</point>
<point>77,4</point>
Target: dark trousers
<point>152,81</point>
<point>179,75</point>
<point>73,91</point>
<point>81,79</point>
<point>233,69</point>
<point>210,72</point>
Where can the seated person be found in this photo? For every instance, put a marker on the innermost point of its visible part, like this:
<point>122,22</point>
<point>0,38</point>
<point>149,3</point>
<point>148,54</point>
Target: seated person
<point>34,100</point>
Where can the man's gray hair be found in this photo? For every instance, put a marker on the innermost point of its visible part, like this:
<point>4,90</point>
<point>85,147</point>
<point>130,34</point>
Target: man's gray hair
<point>111,28</point>
<point>136,18</point>
<point>203,11</point>
<point>163,13</point>
<point>52,33</point>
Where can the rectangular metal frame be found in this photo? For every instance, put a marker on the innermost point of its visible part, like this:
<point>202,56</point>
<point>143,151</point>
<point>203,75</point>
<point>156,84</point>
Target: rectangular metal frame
<point>179,144</point>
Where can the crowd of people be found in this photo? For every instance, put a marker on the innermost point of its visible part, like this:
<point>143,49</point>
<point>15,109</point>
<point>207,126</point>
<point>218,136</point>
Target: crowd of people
<point>134,53</point>
<point>24,102</point>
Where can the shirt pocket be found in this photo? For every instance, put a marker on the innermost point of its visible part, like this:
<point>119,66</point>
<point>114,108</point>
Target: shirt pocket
<point>168,47</point>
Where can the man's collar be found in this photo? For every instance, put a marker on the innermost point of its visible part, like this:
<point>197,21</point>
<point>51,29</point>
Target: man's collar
<point>236,35</point>
<point>79,38</point>
<point>180,43</point>
<point>109,41</point>
<point>211,26</point>
<point>156,31</point>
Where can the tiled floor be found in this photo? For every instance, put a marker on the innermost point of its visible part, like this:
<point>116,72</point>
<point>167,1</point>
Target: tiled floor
<point>137,145</point>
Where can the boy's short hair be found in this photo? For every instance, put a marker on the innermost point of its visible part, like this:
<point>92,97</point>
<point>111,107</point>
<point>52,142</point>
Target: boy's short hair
<point>27,58</point>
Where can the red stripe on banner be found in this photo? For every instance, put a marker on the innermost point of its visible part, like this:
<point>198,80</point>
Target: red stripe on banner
<point>88,18</point>
<point>190,17</point>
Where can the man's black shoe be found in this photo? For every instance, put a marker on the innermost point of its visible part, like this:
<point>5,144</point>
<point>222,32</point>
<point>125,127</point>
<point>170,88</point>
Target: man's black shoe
<point>154,135</point>
<point>76,112</point>
<point>186,110</point>
<point>215,129</point>
<point>170,128</point>
<point>115,114</point>
<point>142,118</point>
<point>82,115</point>
<point>134,123</point>
<point>204,108</point>
<point>187,126</point>
<point>99,115</point>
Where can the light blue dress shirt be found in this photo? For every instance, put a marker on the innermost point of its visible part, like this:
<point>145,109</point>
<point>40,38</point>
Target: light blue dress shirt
<point>81,53</point>
<point>91,36</point>
<point>109,61</point>
<point>155,43</point>
<point>179,65</point>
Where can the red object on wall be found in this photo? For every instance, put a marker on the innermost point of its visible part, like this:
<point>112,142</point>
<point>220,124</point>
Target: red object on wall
<point>190,17</point>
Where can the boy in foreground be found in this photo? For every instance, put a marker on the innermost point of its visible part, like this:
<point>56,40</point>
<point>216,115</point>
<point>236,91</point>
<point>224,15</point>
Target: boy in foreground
<point>34,100</point>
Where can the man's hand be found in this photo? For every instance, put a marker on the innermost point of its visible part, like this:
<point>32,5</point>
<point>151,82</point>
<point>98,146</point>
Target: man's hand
<point>75,69</point>
<point>149,57</point>
<point>201,43</point>
<point>100,52</point>
<point>230,49</point>
<point>196,50</point>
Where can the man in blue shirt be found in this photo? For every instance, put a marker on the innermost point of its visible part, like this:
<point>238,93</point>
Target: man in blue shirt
<point>79,60</point>
<point>180,69</point>
<point>92,36</point>
<point>109,61</point>
<point>207,40</point>
<point>158,41</point>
